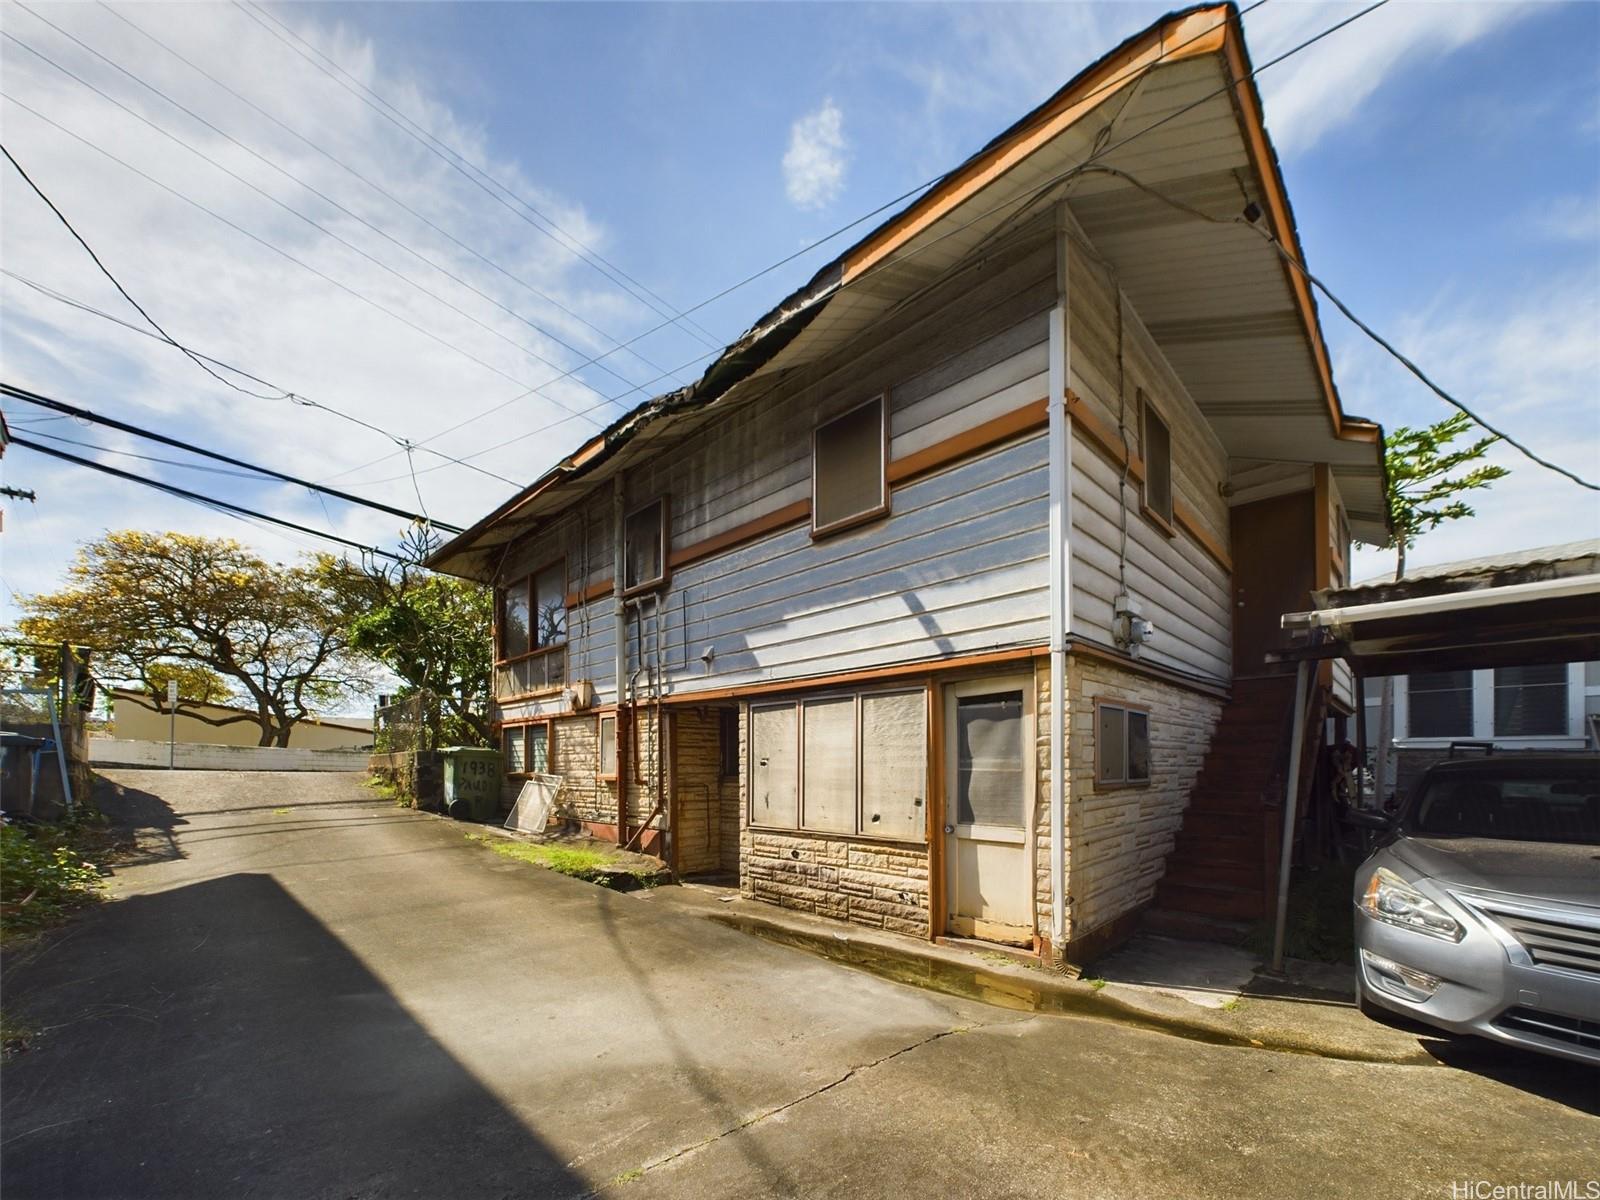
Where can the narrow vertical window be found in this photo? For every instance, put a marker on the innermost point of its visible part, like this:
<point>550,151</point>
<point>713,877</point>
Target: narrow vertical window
<point>607,746</point>
<point>539,749</point>
<point>514,620</point>
<point>728,742</point>
<point>849,481</point>
<point>514,749</point>
<point>1155,439</point>
<point>644,536</point>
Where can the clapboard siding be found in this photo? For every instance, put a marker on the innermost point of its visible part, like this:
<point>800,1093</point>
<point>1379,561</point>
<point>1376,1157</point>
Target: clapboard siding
<point>1182,590</point>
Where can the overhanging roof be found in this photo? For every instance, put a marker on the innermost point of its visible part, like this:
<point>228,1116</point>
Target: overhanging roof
<point>1238,324</point>
<point>1535,606</point>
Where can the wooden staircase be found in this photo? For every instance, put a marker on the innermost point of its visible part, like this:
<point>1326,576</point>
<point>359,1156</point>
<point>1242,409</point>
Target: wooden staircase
<point>1223,866</point>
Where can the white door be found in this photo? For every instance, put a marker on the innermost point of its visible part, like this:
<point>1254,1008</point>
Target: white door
<point>988,805</point>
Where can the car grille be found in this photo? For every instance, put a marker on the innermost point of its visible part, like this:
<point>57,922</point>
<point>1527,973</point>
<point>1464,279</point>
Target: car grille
<point>1554,943</point>
<point>1575,1031</point>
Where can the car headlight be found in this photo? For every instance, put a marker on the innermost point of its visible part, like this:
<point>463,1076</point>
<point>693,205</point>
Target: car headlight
<point>1391,899</point>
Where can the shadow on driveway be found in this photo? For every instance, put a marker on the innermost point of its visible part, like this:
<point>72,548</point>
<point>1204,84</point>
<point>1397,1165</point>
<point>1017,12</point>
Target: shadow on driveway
<point>217,1040</point>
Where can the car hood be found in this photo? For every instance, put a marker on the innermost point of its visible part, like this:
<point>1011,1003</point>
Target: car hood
<point>1537,869</point>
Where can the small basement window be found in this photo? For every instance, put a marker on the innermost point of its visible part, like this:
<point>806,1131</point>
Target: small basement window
<point>644,547</point>
<point>606,740</point>
<point>849,480</point>
<point>1155,439</point>
<point>1122,745</point>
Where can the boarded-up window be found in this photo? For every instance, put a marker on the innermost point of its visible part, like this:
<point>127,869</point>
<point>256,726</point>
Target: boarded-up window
<point>1156,442</point>
<point>1122,745</point>
<point>894,770</point>
<point>644,558</point>
<point>1439,704</point>
<point>828,771</point>
<point>990,785</point>
<point>1530,701</point>
<point>607,737</point>
<point>513,745</point>
<point>848,479</point>
<point>774,765</point>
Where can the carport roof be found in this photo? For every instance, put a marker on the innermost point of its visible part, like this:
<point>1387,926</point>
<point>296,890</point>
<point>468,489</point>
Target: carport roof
<point>1533,606</point>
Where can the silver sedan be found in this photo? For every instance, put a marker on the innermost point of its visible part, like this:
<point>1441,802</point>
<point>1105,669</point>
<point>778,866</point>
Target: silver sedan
<point>1479,913</point>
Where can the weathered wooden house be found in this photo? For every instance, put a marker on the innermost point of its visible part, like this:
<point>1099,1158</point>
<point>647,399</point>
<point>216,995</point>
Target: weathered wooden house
<point>941,601</point>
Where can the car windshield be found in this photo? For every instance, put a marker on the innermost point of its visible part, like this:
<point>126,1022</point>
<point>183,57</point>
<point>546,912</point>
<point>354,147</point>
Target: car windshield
<point>1543,804</point>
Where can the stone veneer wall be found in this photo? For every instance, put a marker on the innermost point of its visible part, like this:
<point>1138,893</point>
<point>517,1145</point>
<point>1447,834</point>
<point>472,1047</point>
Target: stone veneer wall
<point>1118,840</point>
<point>881,884</point>
<point>576,759</point>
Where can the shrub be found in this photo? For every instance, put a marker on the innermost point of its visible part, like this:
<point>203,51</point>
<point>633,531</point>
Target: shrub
<point>41,877</point>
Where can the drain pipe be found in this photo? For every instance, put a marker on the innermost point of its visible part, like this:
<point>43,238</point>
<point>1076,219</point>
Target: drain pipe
<point>1291,799</point>
<point>1060,444</point>
<point>621,648</point>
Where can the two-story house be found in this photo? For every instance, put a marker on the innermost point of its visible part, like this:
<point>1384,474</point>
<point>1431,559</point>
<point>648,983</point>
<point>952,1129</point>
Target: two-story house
<point>926,604</point>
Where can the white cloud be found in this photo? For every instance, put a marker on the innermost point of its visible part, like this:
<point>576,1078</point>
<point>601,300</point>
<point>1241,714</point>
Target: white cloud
<point>1326,85</point>
<point>1568,219</point>
<point>814,164</point>
<point>236,298</point>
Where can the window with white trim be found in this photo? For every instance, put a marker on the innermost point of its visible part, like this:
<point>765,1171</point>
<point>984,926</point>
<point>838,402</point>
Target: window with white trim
<point>855,763</point>
<point>849,467</point>
<point>1439,704</point>
<point>606,745</point>
<point>1530,701</point>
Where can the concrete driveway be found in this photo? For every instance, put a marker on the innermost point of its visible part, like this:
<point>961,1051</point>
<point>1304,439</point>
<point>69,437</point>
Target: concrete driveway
<point>303,991</point>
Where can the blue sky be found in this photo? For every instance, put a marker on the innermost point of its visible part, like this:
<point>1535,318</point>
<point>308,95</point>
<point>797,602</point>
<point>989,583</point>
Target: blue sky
<point>1443,160</point>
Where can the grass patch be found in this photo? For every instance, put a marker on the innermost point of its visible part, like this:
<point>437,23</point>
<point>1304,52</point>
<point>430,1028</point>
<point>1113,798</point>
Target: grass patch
<point>1232,1004</point>
<point>629,1176</point>
<point>282,812</point>
<point>44,876</point>
<point>14,1036</point>
<point>389,792</point>
<point>591,866</point>
<point>1321,925</point>
<point>1096,984</point>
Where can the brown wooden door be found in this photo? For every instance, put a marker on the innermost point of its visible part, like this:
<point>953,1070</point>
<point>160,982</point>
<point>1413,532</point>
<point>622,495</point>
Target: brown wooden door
<point>1274,569</point>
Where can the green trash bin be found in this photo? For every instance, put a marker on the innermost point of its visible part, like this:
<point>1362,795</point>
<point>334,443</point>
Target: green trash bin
<point>471,782</point>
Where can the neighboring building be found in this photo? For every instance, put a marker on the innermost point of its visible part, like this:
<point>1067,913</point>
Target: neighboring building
<point>136,717</point>
<point>928,605</point>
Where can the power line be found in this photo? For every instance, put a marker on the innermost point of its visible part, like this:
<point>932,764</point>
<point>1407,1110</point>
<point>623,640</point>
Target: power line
<point>445,271</point>
<point>84,414</point>
<point>292,396</point>
<point>198,498</point>
<point>373,184</point>
<point>478,175</point>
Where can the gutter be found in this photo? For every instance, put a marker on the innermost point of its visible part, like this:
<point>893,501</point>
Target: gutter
<point>1339,620</point>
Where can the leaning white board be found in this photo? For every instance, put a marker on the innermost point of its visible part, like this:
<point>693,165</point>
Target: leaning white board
<point>534,803</point>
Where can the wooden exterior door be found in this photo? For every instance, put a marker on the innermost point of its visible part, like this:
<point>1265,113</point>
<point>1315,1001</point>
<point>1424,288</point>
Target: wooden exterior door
<point>1274,570</point>
<point>989,808</point>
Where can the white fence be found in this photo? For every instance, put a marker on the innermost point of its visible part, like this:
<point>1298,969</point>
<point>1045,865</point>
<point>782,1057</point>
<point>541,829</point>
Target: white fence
<point>122,752</point>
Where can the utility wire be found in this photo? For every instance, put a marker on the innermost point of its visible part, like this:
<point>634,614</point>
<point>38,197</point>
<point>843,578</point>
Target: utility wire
<point>478,176</point>
<point>84,414</point>
<point>198,498</point>
<point>323,196</point>
<point>293,397</point>
<point>374,185</point>
<point>106,271</point>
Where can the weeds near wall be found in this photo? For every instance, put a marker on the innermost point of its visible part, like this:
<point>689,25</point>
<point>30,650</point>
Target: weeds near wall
<point>43,876</point>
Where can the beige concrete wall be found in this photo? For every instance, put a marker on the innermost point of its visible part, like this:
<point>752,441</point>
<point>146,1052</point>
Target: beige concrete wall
<point>136,719</point>
<point>188,756</point>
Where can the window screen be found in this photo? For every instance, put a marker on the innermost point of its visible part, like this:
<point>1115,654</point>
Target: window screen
<point>608,746</point>
<point>1138,747</point>
<point>514,620</point>
<point>894,765</point>
<point>774,765</point>
<point>1530,701</point>
<point>644,546</point>
<point>514,748</point>
<point>539,749</point>
<point>990,780</point>
<point>1440,704</point>
<point>1157,465</point>
<point>550,606</point>
<point>847,467</point>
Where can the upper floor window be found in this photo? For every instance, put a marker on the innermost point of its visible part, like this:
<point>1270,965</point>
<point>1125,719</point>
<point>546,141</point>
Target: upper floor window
<point>1530,701</point>
<point>1155,439</point>
<point>644,547</point>
<point>849,478</point>
<point>1440,704</point>
<point>533,612</point>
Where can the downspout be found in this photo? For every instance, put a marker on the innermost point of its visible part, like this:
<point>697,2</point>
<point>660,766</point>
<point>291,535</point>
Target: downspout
<point>621,648</point>
<point>1060,440</point>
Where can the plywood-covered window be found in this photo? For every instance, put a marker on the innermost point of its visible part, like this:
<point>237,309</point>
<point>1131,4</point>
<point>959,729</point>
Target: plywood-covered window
<point>849,764</point>
<point>644,550</point>
<point>849,457</point>
<point>1155,441</point>
<point>1122,745</point>
<point>606,745</point>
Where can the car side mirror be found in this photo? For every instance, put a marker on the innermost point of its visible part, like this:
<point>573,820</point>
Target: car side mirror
<point>1366,819</point>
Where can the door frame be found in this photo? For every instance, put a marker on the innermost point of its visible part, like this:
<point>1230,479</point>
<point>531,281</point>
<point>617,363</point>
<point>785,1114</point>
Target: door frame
<point>940,747</point>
